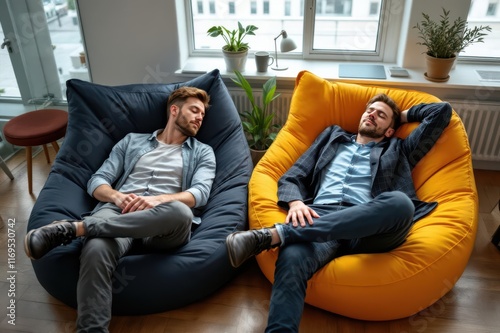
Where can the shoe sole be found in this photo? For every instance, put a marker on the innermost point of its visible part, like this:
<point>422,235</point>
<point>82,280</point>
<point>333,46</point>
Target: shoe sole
<point>27,241</point>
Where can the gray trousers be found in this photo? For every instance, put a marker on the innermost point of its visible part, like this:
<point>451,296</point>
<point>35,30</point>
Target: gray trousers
<point>109,237</point>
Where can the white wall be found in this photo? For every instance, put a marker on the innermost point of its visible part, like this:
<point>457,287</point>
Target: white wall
<point>411,56</point>
<point>131,41</point>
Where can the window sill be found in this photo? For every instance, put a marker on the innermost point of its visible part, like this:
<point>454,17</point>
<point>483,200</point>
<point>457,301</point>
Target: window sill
<point>462,78</point>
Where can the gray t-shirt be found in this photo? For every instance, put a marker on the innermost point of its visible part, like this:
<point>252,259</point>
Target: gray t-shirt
<point>156,172</point>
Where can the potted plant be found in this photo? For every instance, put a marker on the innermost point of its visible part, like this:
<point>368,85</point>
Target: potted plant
<point>258,122</point>
<point>235,50</point>
<point>444,41</point>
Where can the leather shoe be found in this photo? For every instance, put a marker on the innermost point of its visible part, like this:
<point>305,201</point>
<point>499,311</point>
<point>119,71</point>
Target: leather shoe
<point>242,245</point>
<point>41,240</point>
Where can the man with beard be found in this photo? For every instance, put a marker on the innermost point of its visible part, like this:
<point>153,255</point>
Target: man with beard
<point>347,194</point>
<point>147,189</point>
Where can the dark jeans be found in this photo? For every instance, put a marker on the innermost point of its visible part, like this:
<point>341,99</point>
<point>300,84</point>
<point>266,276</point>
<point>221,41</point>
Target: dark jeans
<point>109,236</point>
<point>377,226</point>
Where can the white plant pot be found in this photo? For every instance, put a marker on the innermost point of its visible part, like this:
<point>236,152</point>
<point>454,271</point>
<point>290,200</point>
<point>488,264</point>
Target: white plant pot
<point>235,61</point>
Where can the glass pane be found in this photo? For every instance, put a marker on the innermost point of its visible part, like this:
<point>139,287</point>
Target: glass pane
<point>347,25</point>
<point>8,82</point>
<point>60,17</point>
<point>484,12</point>
<point>66,39</point>
<point>268,16</point>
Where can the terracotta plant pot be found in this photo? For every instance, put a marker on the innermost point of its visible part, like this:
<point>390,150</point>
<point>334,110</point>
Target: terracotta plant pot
<point>438,69</point>
<point>235,60</point>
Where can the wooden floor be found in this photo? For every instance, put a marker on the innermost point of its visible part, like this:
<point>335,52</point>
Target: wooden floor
<point>473,305</point>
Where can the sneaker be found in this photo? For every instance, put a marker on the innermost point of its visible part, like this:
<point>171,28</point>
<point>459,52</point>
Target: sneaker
<point>38,242</point>
<point>242,245</point>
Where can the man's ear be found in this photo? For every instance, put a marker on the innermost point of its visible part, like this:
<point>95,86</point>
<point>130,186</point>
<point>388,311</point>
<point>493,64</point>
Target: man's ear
<point>174,109</point>
<point>389,132</point>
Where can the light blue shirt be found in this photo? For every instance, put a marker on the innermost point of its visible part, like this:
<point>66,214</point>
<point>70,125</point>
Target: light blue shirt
<point>198,170</point>
<point>347,178</point>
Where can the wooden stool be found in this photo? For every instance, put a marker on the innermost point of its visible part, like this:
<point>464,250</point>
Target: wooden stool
<point>36,128</point>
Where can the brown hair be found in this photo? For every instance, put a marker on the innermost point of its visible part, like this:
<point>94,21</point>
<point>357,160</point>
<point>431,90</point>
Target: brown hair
<point>179,96</point>
<point>392,104</point>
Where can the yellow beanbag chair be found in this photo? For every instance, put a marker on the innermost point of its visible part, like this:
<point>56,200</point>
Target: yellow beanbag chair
<point>410,278</point>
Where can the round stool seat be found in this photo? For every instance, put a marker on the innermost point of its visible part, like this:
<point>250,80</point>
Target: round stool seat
<point>36,128</point>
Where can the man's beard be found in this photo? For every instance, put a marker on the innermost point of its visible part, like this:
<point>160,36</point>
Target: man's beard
<point>374,133</point>
<point>184,126</point>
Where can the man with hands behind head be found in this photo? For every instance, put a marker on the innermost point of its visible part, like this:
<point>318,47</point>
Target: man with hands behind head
<point>347,194</point>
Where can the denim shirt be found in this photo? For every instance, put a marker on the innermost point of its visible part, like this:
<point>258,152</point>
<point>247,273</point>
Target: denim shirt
<point>198,170</point>
<point>391,161</point>
<point>347,177</point>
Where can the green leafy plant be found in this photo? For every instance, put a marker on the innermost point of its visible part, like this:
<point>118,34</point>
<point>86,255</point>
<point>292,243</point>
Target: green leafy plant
<point>258,122</point>
<point>445,39</point>
<point>233,38</point>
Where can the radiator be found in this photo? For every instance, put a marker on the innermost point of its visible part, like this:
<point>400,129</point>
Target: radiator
<point>482,124</point>
<point>481,121</point>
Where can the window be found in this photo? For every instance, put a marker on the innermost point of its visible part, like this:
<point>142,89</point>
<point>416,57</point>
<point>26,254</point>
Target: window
<point>46,50</point>
<point>265,9</point>
<point>200,7</point>
<point>211,5</point>
<point>484,13</point>
<point>374,6</point>
<point>288,8</point>
<point>333,27</point>
<point>492,9</point>
<point>338,7</point>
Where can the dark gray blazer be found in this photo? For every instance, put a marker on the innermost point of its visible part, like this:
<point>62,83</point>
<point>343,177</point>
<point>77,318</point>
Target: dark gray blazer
<point>391,163</point>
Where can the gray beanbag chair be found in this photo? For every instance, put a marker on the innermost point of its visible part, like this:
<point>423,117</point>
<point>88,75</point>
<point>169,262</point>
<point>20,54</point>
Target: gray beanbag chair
<point>99,116</point>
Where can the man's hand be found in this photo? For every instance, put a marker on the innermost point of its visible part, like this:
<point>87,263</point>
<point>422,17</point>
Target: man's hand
<point>132,202</point>
<point>299,213</point>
